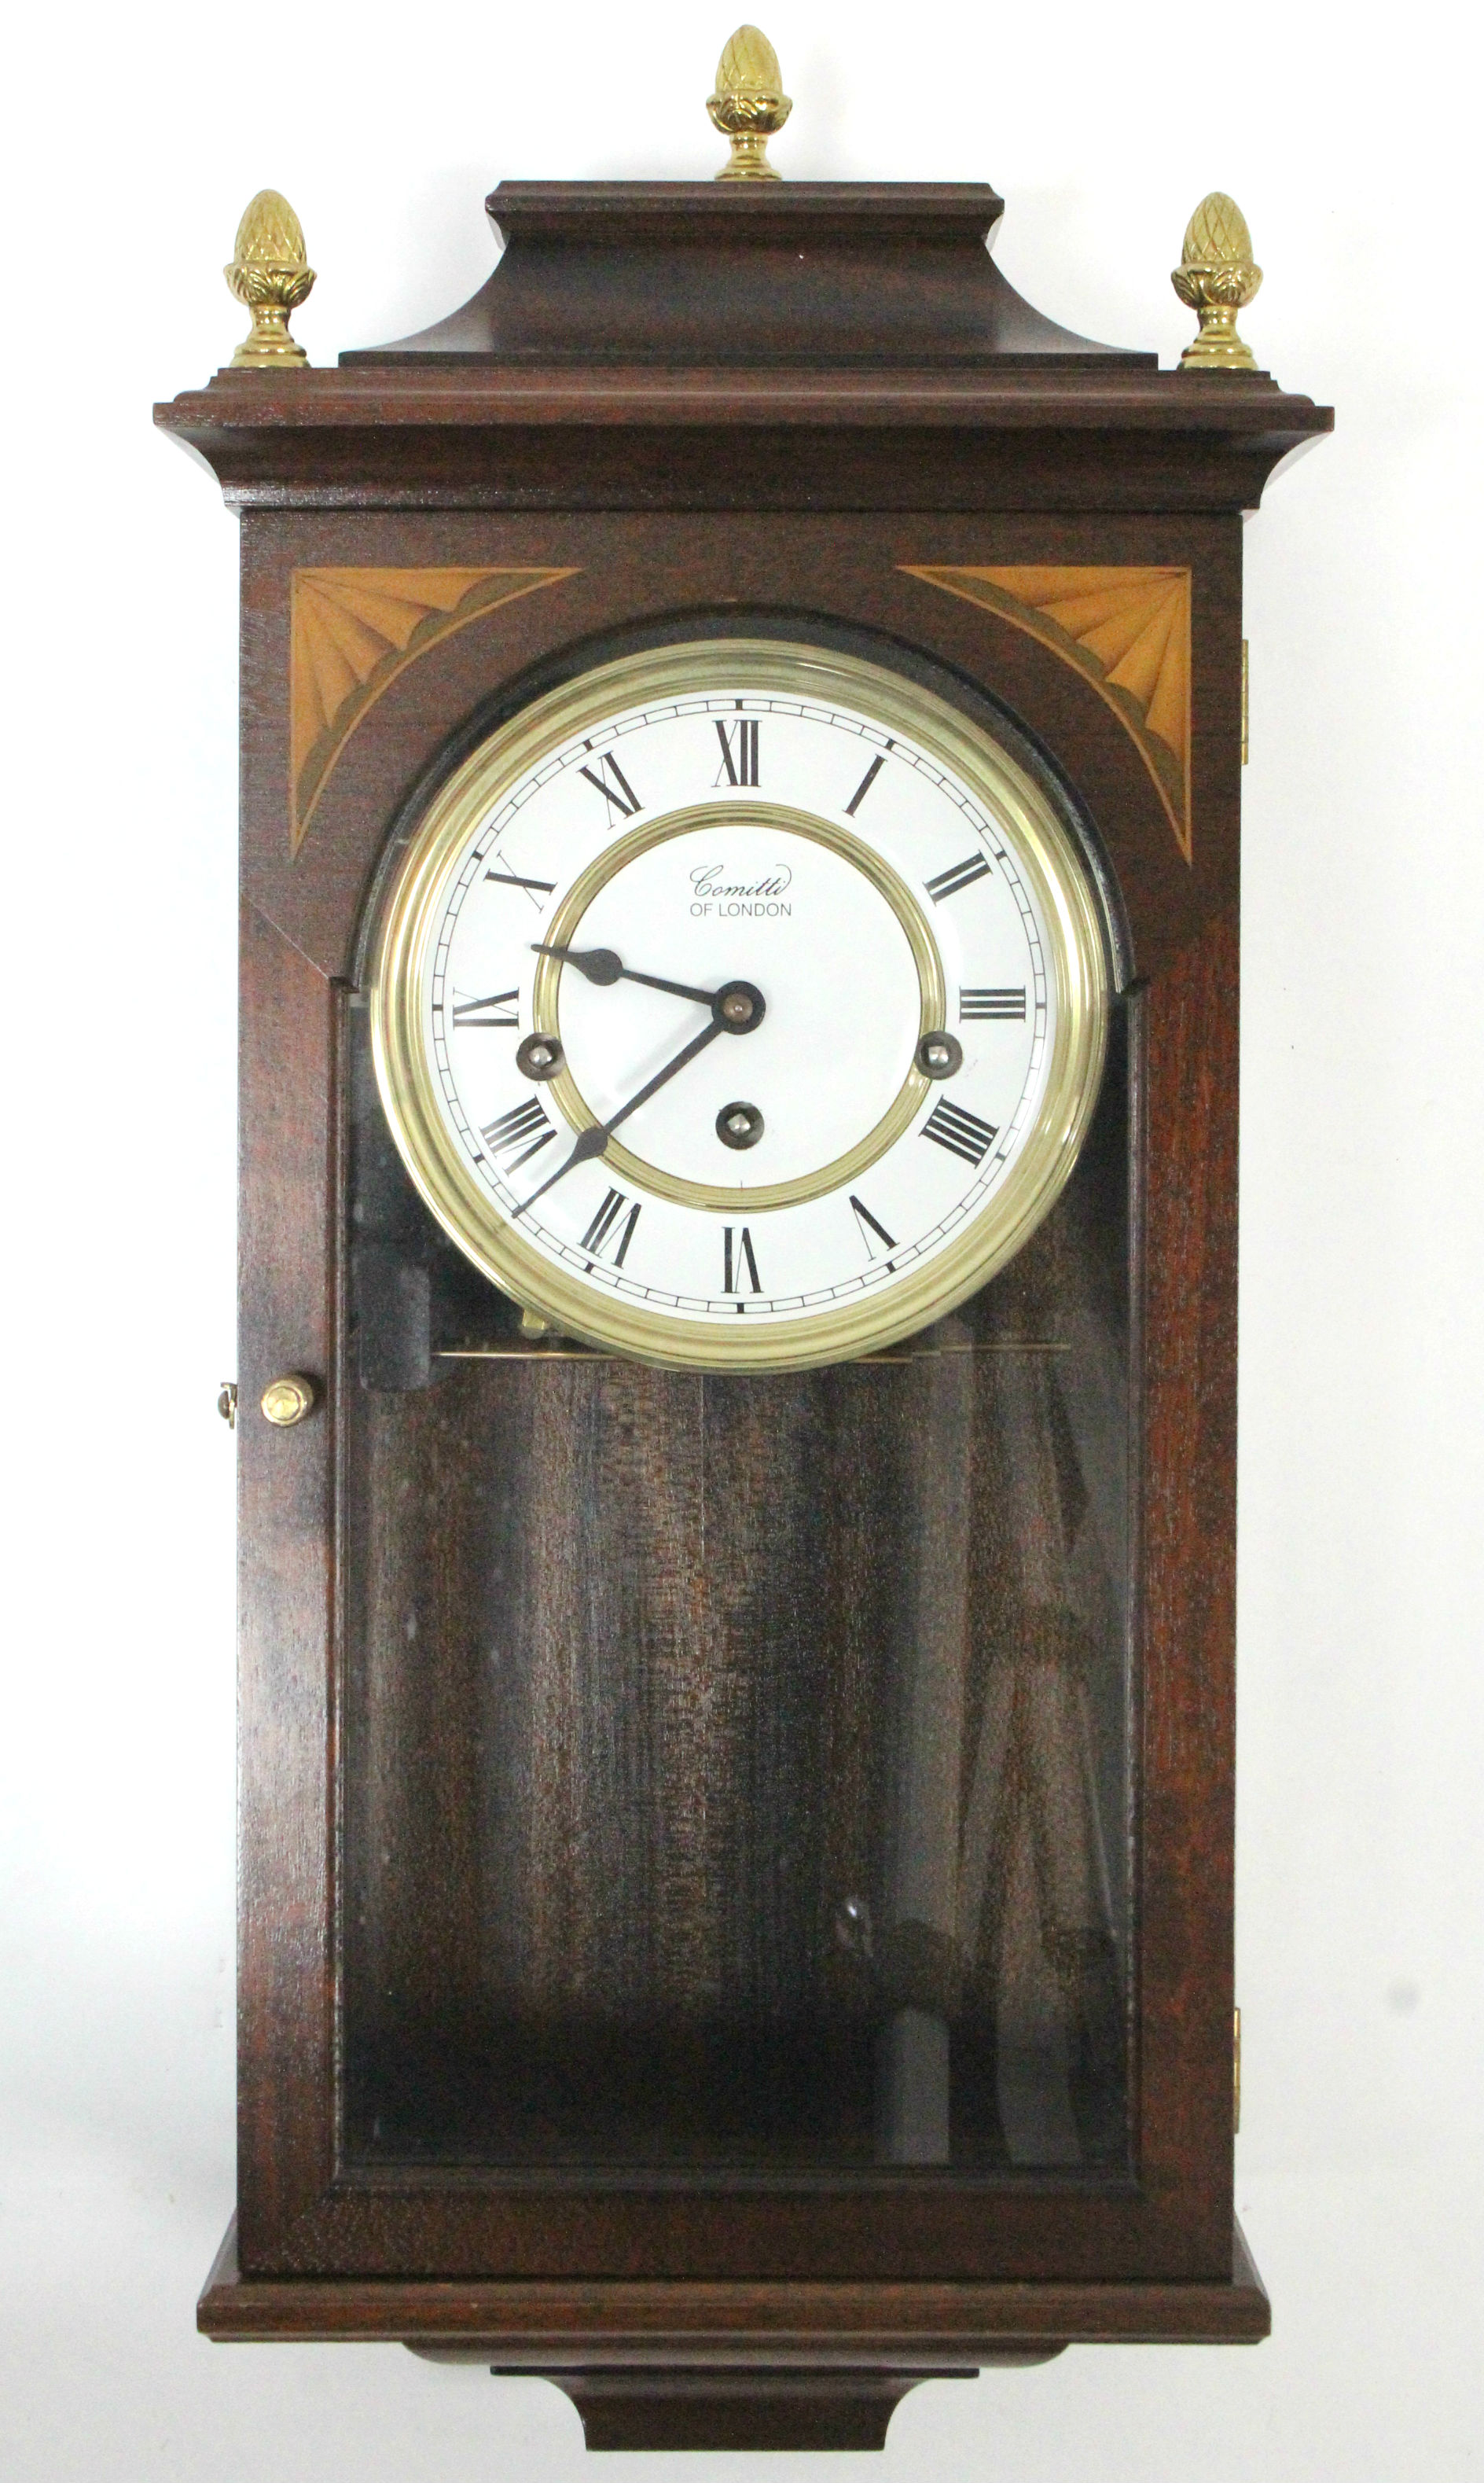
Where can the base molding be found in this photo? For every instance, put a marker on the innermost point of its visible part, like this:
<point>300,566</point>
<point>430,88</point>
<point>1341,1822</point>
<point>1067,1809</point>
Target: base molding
<point>726,2407</point>
<point>734,2409</point>
<point>731,2364</point>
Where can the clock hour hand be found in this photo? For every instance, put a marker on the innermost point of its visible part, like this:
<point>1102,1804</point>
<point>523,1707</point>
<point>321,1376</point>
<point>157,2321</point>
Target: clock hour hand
<point>594,1142</point>
<point>606,966</point>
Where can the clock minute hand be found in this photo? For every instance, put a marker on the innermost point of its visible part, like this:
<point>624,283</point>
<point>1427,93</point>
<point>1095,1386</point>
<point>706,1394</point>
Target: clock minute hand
<point>593,1141</point>
<point>605,966</point>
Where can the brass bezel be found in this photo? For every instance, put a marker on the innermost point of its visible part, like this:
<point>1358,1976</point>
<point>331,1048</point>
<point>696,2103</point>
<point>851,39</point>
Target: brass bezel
<point>1077,958</point>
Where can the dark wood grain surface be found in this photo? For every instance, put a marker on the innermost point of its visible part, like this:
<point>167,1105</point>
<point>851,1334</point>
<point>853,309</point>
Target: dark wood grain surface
<point>287,1581</point>
<point>814,345</point>
<point>547,2325</point>
<point>354,440</point>
<point>683,574</point>
<point>1171,2216</point>
<point>677,273</point>
<point>681,493</point>
<point>696,1726</point>
<point>759,2408</point>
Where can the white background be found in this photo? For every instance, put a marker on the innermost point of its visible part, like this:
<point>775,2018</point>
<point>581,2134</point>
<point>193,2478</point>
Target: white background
<point>134,138</point>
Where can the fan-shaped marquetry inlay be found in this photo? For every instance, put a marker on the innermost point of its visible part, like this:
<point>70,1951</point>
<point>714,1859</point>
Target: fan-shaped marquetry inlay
<point>353,631</point>
<point>1128,632</point>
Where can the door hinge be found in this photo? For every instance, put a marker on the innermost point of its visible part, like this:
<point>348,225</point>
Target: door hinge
<point>1237,2069</point>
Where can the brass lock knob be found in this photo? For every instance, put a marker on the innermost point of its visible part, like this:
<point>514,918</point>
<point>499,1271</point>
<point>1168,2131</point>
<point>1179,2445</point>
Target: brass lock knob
<point>288,1401</point>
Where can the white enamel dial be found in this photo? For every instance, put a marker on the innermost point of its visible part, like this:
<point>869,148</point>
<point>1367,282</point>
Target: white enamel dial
<point>741,1006</point>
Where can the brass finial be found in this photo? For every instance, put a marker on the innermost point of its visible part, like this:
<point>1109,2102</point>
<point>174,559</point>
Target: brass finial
<point>271,273</point>
<point>1216,278</point>
<point>749,106</point>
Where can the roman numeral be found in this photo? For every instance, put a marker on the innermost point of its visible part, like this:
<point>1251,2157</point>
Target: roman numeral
<point>516,879</point>
<point>739,758</point>
<point>498,1009</point>
<point>948,882</point>
<point>990,1001</point>
<point>735,1259</point>
<point>962,1133</point>
<point>506,1138</point>
<point>866,1224</point>
<point>864,785</point>
<point>614,785</point>
<point>602,1225</point>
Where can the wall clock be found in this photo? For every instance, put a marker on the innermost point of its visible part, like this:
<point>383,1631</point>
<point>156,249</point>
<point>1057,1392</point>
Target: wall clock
<point>741,741</point>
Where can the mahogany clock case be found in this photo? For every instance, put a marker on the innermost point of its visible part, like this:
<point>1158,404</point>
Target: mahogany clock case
<point>606,1835</point>
<point>585,2021</point>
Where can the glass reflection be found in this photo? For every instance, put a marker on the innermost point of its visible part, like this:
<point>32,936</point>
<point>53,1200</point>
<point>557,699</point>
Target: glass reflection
<point>737,1769</point>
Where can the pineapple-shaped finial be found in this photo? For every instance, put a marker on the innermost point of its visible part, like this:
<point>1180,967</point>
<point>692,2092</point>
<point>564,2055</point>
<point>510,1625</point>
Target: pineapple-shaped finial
<point>1216,278</point>
<point>270,272</point>
<point>749,106</point>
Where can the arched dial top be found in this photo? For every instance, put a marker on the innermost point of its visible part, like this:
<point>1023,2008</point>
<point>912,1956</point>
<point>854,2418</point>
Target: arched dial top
<point>741,1006</point>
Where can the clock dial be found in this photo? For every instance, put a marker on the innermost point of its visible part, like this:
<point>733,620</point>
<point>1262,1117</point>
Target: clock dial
<point>741,1006</point>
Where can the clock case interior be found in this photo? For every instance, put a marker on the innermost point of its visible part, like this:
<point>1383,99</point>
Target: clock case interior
<point>573,1926</point>
<point>736,1767</point>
